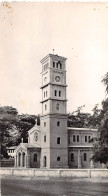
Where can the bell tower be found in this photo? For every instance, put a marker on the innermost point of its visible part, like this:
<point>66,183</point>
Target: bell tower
<point>54,148</point>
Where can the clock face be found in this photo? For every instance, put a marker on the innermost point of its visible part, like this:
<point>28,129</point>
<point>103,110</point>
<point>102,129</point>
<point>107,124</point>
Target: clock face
<point>36,136</point>
<point>57,78</point>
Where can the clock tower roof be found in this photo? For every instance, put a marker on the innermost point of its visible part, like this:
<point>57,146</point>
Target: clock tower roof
<point>53,56</point>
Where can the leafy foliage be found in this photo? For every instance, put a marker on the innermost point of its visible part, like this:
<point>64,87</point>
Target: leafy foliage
<point>101,155</point>
<point>101,147</point>
<point>13,127</point>
<point>78,120</point>
<point>85,120</point>
<point>8,117</point>
<point>105,81</point>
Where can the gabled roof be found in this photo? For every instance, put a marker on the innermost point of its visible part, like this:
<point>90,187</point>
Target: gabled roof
<point>28,145</point>
<point>35,128</point>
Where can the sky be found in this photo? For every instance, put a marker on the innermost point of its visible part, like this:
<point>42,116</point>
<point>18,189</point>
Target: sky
<point>31,30</point>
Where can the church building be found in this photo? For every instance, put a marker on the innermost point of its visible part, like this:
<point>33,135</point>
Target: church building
<point>53,144</point>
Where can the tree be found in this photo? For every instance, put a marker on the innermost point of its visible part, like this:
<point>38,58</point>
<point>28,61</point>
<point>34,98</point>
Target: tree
<point>95,118</point>
<point>13,127</point>
<point>101,145</point>
<point>78,120</point>
<point>8,117</point>
<point>105,81</point>
<point>25,123</point>
<point>85,120</point>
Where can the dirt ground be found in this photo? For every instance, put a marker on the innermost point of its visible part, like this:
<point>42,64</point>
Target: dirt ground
<point>25,186</point>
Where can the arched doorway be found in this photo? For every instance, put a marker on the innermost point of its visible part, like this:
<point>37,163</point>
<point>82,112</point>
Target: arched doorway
<point>23,159</point>
<point>19,162</point>
<point>35,157</point>
<point>44,161</point>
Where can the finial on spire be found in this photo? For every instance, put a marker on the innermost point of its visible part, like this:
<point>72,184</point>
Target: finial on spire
<point>53,51</point>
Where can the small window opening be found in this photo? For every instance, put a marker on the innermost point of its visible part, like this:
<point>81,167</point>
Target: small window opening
<point>58,123</point>
<point>59,93</point>
<point>60,66</point>
<point>55,92</point>
<point>74,139</point>
<point>58,158</point>
<point>77,138</point>
<point>53,64</point>
<point>58,140</point>
<point>85,138</point>
<point>85,157</point>
<point>44,138</point>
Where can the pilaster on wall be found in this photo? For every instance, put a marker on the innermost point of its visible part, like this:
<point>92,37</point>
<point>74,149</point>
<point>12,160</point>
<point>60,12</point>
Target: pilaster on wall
<point>28,161</point>
<point>91,162</point>
<point>79,159</point>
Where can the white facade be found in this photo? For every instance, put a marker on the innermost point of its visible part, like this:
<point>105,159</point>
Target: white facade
<point>53,144</point>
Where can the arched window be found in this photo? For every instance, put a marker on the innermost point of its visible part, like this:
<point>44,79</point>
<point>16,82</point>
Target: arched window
<point>57,65</point>
<point>77,138</point>
<point>74,139</point>
<point>44,138</point>
<point>59,93</point>
<point>19,156</point>
<point>44,161</point>
<point>23,159</point>
<point>58,158</point>
<point>45,107</point>
<point>58,123</point>
<point>72,157</point>
<point>53,64</point>
<point>85,157</point>
<point>58,140</point>
<point>35,157</point>
<point>85,138</point>
<point>60,66</point>
<point>57,106</point>
<point>55,92</point>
